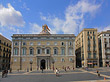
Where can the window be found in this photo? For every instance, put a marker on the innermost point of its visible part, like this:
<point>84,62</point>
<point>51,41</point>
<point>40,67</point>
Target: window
<point>70,43</point>
<point>31,43</point>
<point>55,43</point>
<point>94,55</point>
<point>0,41</point>
<point>70,59</point>
<point>62,60</point>
<point>38,51</point>
<point>93,32</point>
<point>88,32</point>
<point>4,43</point>
<point>47,51</point>
<point>89,55</point>
<point>62,44</point>
<point>48,43</point>
<point>104,34</point>
<point>55,51</point>
<point>23,51</point>
<point>38,43</point>
<point>24,43</point>
<point>16,43</point>
<point>16,51</point>
<point>31,51</point>
<point>88,47</point>
<point>94,48</point>
<point>70,51</point>
<point>62,51</point>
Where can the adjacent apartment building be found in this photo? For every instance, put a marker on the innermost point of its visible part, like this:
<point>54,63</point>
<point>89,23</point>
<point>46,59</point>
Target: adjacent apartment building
<point>86,48</point>
<point>5,53</point>
<point>104,48</point>
<point>49,51</point>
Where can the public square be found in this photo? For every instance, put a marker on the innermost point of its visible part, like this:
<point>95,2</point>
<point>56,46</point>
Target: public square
<point>78,75</point>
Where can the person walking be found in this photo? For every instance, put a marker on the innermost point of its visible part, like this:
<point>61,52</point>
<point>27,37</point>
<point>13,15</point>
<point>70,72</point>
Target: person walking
<point>57,72</point>
<point>65,69</point>
<point>42,69</point>
<point>98,73</point>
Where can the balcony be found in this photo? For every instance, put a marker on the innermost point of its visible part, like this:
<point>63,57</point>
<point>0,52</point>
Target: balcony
<point>107,53</point>
<point>43,55</point>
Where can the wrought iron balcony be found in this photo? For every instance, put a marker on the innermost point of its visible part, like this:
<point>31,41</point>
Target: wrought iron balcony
<point>43,55</point>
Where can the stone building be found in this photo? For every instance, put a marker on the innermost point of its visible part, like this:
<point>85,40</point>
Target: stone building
<point>5,53</point>
<point>86,48</point>
<point>50,51</point>
<point>104,48</point>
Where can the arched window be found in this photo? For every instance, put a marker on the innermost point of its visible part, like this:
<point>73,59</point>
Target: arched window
<point>62,60</point>
<point>62,43</point>
<point>70,51</point>
<point>55,51</point>
<point>15,51</point>
<point>38,50</point>
<point>31,51</point>
<point>23,51</point>
<point>47,50</point>
<point>62,51</point>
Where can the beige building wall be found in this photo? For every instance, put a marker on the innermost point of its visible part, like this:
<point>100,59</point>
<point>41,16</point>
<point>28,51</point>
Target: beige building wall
<point>104,48</point>
<point>86,48</point>
<point>46,41</point>
<point>5,53</point>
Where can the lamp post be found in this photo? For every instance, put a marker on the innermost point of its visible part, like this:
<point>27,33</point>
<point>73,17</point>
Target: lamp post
<point>53,64</point>
<point>31,62</point>
<point>73,64</point>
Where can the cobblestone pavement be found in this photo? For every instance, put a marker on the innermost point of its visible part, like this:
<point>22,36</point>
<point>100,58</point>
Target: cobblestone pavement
<point>78,75</point>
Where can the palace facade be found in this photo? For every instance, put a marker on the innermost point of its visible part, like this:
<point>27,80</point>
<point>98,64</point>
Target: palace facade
<point>49,51</point>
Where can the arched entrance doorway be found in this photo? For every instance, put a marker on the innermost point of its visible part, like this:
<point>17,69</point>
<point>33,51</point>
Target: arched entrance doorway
<point>42,63</point>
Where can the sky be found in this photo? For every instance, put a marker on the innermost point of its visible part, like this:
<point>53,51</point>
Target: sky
<point>61,16</point>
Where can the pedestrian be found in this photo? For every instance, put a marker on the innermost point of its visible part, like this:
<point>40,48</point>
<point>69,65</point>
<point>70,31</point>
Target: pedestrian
<point>10,70</point>
<point>6,72</point>
<point>65,69</point>
<point>73,68</point>
<point>57,72</point>
<point>3,73</point>
<point>42,69</point>
<point>98,73</point>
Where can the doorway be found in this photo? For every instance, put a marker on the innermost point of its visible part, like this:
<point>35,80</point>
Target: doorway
<point>42,64</point>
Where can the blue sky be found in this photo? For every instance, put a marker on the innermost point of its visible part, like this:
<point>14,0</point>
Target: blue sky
<point>62,16</point>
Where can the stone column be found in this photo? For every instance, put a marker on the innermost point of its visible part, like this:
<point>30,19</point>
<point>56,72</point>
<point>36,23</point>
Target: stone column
<point>39,63</point>
<point>46,64</point>
<point>12,49</point>
<point>74,48</point>
<point>66,48</point>
<point>19,48</point>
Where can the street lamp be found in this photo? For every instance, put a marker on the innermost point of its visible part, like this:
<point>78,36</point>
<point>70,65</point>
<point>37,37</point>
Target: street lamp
<point>31,62</point>
<point>53,64</point>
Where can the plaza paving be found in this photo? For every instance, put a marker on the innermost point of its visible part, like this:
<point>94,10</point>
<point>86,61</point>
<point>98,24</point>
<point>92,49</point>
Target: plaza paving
<point>78,75</point>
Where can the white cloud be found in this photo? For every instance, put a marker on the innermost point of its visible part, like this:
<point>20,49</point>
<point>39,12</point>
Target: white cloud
<point>100,29</point>
<point>10,17</point>
<point>35,28</point>
<point>74,17</point>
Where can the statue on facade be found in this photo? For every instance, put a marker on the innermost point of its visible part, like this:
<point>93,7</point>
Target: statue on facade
<point>45,29</point>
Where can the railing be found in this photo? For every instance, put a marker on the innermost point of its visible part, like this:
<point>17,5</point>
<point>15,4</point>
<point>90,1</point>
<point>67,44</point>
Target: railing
<point>43,55</point>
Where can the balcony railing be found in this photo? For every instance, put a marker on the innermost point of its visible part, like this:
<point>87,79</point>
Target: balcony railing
<point>43,55</point>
